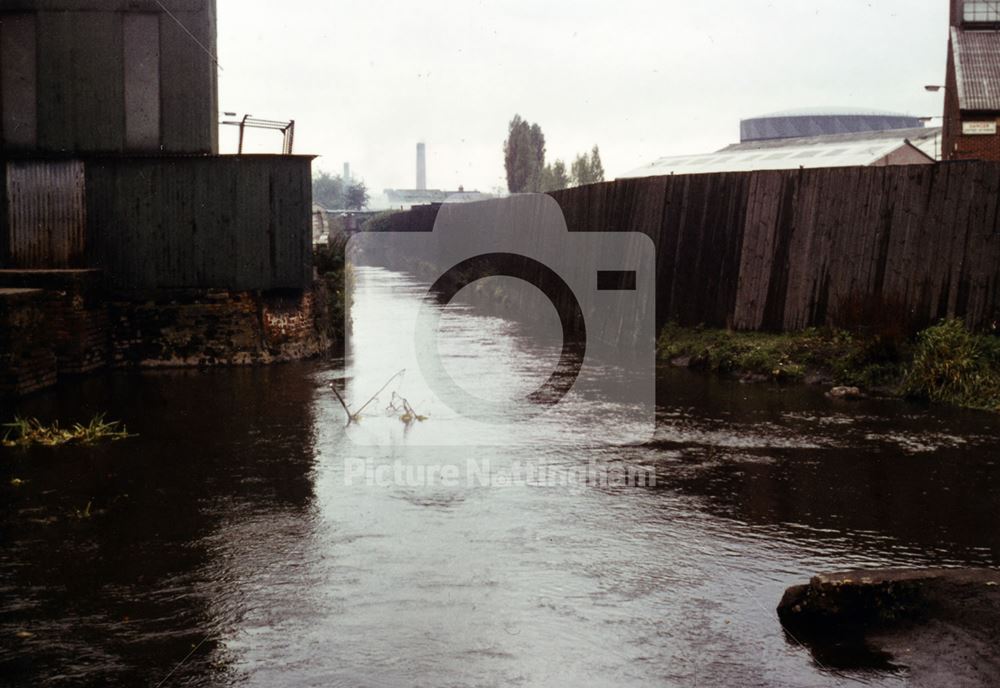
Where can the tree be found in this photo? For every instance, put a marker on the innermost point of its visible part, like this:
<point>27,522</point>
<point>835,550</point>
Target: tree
<point>554,177</point>
<point>596,167</point>
<point>356,197</point>
<point>588,169</point>
<point>524,156</point>
<point>524,161</point>
<point>538,158</point>
<point>328,191</point>
<point>581,170</point>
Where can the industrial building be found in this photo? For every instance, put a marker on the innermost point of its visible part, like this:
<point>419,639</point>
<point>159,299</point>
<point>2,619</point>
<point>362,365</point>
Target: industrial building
<point>812,138</point>
<point>404,199</point>
<point>125,238</point>
<point>972,82</point>
<point>107,76</point>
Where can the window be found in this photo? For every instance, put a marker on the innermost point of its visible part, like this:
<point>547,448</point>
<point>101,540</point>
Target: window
<point>987,11</point>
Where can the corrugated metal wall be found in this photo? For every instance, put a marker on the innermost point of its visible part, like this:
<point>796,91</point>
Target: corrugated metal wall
<point>229,222</point>
<point>84,76</point>
<point>46,214</point>
<point>235,222</point>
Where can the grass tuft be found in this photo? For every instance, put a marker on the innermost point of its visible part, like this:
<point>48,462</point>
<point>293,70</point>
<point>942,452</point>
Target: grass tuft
<point>27,432</point>
<point>954,366</point>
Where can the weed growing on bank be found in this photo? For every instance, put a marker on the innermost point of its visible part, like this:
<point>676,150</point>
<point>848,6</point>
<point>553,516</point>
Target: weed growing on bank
<point>332,268</point>
<point>954,366</point>
<point>945,363</point>
<point>775,356</point>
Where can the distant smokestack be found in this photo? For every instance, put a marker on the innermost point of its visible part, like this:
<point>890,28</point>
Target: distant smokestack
<point>347,173</point>
<point>421,168</point>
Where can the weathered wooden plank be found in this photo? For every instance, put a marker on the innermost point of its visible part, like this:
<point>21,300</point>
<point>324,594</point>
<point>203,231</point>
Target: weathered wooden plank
<point>797,248</point>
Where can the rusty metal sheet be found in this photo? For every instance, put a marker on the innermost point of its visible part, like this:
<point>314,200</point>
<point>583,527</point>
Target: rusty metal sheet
<point>46,214</point>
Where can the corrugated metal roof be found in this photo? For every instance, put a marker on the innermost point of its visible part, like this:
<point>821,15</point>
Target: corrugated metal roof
<point>977,68</point>
<point>800,126</point>
<point>916,136</point>
<point>831,112</point>
<point>843,150</point>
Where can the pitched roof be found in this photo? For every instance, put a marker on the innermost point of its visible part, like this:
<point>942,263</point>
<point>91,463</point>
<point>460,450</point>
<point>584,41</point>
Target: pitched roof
<point>977,68</point>
<point>838,150</point>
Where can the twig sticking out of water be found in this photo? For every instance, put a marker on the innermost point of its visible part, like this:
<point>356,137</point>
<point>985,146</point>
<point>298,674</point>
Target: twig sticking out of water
<point>409,414</point>
<point>356,416</point>
<point>343,403</point>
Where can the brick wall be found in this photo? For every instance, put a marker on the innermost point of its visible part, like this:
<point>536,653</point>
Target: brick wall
<point>66,325</point>
<point>982,147</point>
<point>218,327</point>
<point>954,144</point>
<point>75,315</point>
<point>27,361</point>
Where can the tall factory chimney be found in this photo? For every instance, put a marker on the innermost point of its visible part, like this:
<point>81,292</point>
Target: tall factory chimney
<point>347,174</point>
<point>421,167</point>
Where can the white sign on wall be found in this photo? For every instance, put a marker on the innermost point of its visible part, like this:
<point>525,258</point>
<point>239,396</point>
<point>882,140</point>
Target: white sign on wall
<point>979,128</point>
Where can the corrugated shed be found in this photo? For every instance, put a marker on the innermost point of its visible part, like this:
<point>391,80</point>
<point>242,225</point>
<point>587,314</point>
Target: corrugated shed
<point>46,214</point>
<point>230,222</point>
<point>977,69</point>
<point>791,156</point>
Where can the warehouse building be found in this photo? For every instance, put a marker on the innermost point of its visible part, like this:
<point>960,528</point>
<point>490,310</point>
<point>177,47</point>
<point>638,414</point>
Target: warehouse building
<point>972,82</point>
<point>812,138</point>
<point>124,236</point>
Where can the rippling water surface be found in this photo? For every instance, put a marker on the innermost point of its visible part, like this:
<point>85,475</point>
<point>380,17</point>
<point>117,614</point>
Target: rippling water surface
<point>228,544</point>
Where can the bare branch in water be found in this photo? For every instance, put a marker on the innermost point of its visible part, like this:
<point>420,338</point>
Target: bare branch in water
<point>357,414</point>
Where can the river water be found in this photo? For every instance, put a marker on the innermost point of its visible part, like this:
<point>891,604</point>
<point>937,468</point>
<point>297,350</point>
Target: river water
<point>235,542</point>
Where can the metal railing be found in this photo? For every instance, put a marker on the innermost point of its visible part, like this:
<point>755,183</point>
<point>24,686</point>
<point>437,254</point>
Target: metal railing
<point>286,127</point>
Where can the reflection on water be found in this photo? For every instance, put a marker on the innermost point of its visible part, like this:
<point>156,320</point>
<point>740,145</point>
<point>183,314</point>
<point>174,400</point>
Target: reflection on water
<point>227,531</point>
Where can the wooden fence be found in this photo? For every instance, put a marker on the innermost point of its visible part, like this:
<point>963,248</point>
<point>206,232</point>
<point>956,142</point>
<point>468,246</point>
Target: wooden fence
<point>785,250</point>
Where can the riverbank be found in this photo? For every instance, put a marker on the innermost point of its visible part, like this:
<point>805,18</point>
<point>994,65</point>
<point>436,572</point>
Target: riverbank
<point>56,324</point>
<point>945,363</point>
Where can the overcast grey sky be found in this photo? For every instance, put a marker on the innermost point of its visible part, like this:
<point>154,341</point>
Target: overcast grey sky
<point>366,80</point>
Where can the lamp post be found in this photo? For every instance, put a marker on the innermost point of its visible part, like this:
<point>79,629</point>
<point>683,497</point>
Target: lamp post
<point>927,120</point>
<point>936,88</point>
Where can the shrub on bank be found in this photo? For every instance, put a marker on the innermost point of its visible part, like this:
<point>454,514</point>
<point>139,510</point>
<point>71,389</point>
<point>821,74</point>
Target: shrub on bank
<point>337,278</point>
<point>945,363</point>
<point>955,366</point>
<point>380,222</point>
